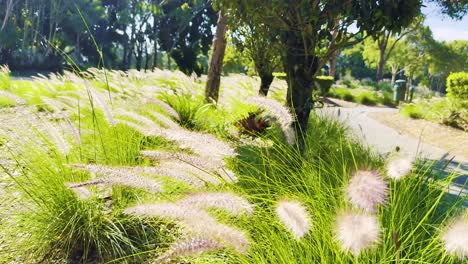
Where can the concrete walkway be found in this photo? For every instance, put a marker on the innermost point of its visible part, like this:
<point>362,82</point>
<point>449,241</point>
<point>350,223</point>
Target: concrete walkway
<point>385,139</point>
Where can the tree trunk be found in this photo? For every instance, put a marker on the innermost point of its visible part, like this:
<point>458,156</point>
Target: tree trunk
<point>333,60</point>
<point>265,81</point>
<point>381,64</point>
<point>168,54</point>
<point>146,58</point>
<point>216,61</point>
<point>394,74</point>
<point>154,65</point>
<point>300,70</point>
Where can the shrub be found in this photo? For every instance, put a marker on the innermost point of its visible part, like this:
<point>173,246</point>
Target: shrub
<point>387,99</point>
<point>5,81</point>
<point>344,94</point>
<point>367,98</point>
<point>324,83</point>
<point>384,87</point>
<point>412,111</point>
<point>457,86</point>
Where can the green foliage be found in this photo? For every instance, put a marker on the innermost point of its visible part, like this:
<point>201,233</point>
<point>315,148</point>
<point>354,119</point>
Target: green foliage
<point>412,111</point>
<point>386,99</point>
<point>324,83</point>
<point>443,111</point>
<point>384,87</point>
<point>457,86</point>
<point>280,75</point>
<point>367,98</point>
<point>5,79</point>
<point>343,94</point>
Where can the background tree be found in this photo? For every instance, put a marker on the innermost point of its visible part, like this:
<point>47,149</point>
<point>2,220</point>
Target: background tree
<point>305,29</point>
<point>216,61</point>
<point>261,45</point>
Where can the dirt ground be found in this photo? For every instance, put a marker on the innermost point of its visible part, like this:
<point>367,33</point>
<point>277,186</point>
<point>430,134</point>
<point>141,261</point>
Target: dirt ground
<point>447,138</point>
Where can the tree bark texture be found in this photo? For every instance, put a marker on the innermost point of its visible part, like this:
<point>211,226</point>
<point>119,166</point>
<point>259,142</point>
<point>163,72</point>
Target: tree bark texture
<point>333,61</point>
<point>300,71</point>
<point>265,81</point>
<point>216,61</point>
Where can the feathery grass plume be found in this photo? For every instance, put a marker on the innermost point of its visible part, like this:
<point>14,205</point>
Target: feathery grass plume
<point>234,204</point>
<point>294,216</point>
<point>82,192</point>
<point>146,131</point>
<point>215,165</point>
<point>455,238</point>
<point>172,211</point>
<point>357,232</point>
<point>13,97</point>
<point>203,144</point>
<point>54,104</point>
<point>62,146</point>
<point>282,114</point>
<point>139,119</point>
<point>189,247</point>
<point>96,96</point>
<point>164,120</point>
<point>399,168</point>
<point>165,106</point>
<point>228,236</point>
<point>177,173</point>
<point>198,173</point>
<point>366,190</point>
<point>194,221</point>
<point>116,176</point>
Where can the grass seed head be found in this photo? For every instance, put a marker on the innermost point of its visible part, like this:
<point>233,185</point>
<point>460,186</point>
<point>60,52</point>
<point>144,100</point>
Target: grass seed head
<point>399,168</point>
<point>367,190</point>
<point>455,238</point>
<point>356,232</point>
<point>294,216</point>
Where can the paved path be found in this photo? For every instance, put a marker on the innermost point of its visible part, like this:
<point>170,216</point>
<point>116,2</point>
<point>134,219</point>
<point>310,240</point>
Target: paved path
<point>385,139</point>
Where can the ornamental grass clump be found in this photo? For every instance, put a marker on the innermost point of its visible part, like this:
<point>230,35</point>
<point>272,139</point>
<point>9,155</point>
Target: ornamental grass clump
<point>294,216</point>
<point>367,190</point>
<point>356,231</point>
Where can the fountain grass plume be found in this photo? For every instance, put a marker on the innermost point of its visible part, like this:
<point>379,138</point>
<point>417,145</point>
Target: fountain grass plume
<point>367,190</point>
<point>189,247</point>
<point>179,173</point>
<point>234,204</point>
<point>205,145</point>
<point>116,176</point>
<point>399,168</point>
<point>96,96</point>
<point>165,106</point>
<point>196,172</point>
<point>356,232</point>
<point>164,120</point>
<point>280,112</point>
<point>172,211</point>
<point>215,165</point>
<point>137,118</point>
<point>16,99</point>
<point>294,216</point>
<point>455,238</point>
